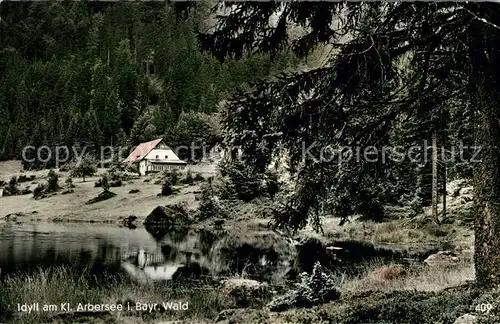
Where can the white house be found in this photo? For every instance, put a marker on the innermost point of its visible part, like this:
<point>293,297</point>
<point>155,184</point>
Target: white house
<point>154,156</point>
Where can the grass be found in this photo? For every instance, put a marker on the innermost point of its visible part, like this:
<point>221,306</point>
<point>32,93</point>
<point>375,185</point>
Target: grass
<point>61,284</point>
<point>414,278</point>
<point>376,307</point>
<point>426,297</point>
<point>400,232</point>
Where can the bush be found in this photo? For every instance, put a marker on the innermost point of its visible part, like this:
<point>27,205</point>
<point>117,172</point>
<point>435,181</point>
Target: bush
<point>25,178</point>
<point>26,191</point>
<point>172,177</point>
<point>272,184</point>
<point>223,187</point>
<point>209,207</point>
<point>198,177</point>
<point>52,182</point>
<point>11,189</point>
<point>371,209</point>
<point>52,185</point>
<point>39,190</point>
<point>416,205</point>
<point>243,180</point>
<point>314,289</point>
<point>105,182</point>
<point>166,189</point>
<point>69,182</point>
<point>188,178</point>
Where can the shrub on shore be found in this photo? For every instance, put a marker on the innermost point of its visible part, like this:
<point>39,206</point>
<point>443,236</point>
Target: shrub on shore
<point>242,180</point>
<point>171,176</point>
<point>11,189</point>
<point>209,207</point>
<point>314,289</point>
<point>50,186</point>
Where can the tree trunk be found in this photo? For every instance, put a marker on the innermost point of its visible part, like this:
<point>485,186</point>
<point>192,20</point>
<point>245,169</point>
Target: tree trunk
<point>485,97</point>
<point>424,183</point>
<point>445,176</point>
<point>435,187</point>
<point>487,198</point>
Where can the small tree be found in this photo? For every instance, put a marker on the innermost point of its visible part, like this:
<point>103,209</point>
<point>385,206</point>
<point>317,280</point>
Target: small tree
<point>105,183</point>
<point>52,181</point>
<point>166,189</point>
<point>11,188</point>
<point>208,207</point>
<point>85,168</point>
<point>69,182</point>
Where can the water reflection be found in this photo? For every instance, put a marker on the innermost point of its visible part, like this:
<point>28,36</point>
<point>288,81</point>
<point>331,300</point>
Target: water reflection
<point>154,254</point>
<point>144,256</point>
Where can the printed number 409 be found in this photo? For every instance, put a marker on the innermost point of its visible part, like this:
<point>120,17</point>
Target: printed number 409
<point>484,308</point>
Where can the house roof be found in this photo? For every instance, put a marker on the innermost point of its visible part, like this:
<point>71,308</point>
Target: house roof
<point>142,150</point>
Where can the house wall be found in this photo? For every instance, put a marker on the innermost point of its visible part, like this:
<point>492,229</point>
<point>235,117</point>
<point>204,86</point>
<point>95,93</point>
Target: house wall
<point>161,153</point>
<point>145,167</point>
<point>142,167</point>
<point>147,164</point>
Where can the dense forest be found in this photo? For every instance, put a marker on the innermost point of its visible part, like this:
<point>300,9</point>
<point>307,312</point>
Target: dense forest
<point>96,74</point>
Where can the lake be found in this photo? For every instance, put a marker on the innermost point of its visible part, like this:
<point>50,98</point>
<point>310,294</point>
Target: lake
<point>102,248</point>
<point>156,254</point>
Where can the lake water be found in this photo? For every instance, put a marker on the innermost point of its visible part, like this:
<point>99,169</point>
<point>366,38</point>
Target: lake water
<point>101,248</point>
<point>156,254</point>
